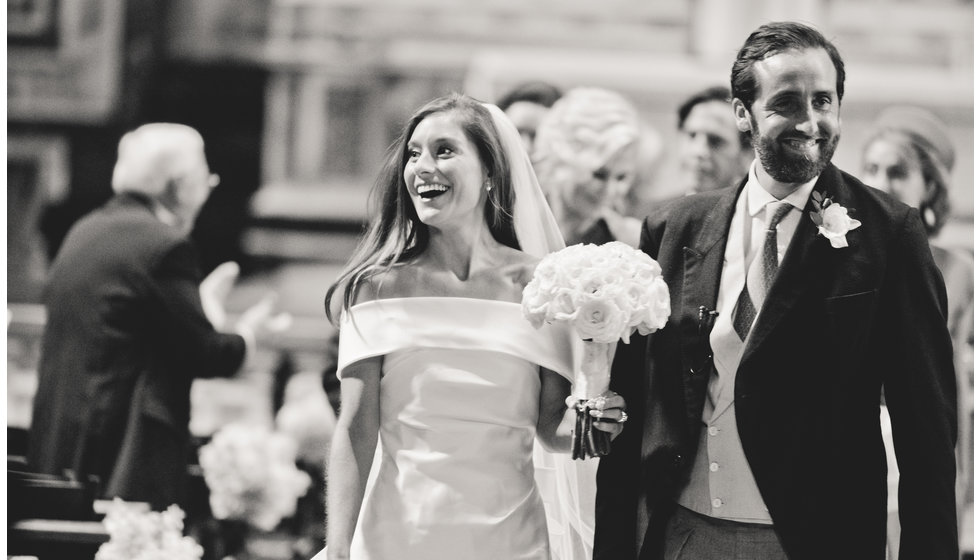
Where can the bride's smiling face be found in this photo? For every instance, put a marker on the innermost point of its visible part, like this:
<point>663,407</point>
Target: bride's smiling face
<point>444,175</point>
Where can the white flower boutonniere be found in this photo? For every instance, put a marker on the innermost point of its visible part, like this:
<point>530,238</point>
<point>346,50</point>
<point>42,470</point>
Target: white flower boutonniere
<point>832,220</point>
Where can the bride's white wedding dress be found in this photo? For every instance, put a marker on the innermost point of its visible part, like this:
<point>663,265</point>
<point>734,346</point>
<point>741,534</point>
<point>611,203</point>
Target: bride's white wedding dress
<point>453,477</point>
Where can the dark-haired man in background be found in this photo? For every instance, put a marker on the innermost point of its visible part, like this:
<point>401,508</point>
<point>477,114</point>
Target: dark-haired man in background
<point>525,105</point>
<point>712,152</point>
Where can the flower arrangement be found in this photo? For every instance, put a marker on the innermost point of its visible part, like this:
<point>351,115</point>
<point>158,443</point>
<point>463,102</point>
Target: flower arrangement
<point>607,292</point>
<point>252,476</point>
<point>307,418</point>
<point>831,219</point>
<point>135,533</point>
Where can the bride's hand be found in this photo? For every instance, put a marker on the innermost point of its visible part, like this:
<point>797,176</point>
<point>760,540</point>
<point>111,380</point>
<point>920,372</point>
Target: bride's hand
<point>609,411</point>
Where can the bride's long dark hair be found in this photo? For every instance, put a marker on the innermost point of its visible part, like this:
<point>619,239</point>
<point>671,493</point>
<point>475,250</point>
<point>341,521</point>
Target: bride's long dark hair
<point>395,234</point>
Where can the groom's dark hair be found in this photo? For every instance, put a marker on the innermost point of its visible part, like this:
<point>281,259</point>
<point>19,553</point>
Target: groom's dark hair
<point>774,38</point>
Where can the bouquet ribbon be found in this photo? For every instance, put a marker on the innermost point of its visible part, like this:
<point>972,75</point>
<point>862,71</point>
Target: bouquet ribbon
<point>591,382</point>
<point>586,441</point>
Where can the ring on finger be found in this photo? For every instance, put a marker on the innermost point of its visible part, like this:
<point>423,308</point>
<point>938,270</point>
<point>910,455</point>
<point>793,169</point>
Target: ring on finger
<point>623,417</point>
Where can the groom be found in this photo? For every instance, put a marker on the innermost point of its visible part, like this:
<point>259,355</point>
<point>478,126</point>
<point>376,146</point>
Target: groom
<point>797,296</point>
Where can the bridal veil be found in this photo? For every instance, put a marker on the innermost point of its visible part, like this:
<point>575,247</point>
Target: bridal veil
<point>567,487</point>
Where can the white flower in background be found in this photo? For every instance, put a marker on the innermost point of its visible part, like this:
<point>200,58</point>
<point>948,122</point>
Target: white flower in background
<point>306,416</point>
<point>252,476</point>
<point>135,533</point>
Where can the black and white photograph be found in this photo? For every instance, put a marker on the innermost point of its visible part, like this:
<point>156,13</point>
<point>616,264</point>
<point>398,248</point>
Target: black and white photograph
<point>498,280</point>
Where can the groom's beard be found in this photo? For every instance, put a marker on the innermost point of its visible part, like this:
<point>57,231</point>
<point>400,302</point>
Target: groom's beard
<point>788,167</point>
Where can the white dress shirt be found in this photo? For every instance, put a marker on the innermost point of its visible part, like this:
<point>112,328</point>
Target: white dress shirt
<point>722,484</point>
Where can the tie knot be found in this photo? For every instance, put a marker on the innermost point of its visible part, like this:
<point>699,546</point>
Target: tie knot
<point>778,213</point>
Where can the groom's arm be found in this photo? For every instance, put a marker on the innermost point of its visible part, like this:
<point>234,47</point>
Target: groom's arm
<point>920,390</point>
<point>619,480</point>
<point>618,483</point>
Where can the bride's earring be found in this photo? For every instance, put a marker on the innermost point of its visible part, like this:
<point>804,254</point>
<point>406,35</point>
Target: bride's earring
<point>488,185</point>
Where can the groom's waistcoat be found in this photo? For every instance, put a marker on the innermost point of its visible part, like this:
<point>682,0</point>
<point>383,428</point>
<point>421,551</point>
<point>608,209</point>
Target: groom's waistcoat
<point>722,484</point>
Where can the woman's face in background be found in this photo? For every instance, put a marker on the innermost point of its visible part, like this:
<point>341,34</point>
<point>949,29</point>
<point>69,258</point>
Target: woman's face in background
<point>444,175</point>
<point>603,186</point>
<point>895,169</point>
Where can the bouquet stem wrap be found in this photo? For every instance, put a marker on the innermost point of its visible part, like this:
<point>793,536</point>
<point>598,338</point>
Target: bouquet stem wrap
<point>591,380</point>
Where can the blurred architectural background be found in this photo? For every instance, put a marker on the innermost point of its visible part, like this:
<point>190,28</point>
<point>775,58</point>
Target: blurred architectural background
<point>298,99</point>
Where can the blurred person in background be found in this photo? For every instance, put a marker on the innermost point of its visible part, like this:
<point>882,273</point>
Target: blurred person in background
<point>130,324</point>
<point>712,152</point>
<point>437,361</point>
<point>525,105</point>
<point>910,155</point>
<point>586,157</point>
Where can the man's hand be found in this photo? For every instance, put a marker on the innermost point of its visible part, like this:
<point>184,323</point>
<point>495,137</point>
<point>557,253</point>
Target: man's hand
<point>214,292</point>
<point>259,320</point>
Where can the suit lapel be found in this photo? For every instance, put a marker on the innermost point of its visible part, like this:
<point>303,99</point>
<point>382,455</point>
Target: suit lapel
<point>805,257</point>
<point>702,278</point>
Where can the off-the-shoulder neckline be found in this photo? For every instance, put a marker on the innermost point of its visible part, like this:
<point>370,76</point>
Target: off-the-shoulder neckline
<point>434,299</point>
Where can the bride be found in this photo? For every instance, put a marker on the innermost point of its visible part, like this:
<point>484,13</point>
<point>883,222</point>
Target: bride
<point>437,359</point>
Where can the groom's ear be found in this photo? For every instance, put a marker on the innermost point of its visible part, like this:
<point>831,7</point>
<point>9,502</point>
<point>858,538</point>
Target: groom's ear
<point>742,118</point>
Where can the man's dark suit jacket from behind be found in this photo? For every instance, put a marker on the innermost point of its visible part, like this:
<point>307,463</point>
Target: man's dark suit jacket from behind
<point>125,336</point>
<point>838,324</point>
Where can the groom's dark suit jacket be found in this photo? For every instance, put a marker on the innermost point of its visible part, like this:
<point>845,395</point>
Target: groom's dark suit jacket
<point>125,336</point>
<point>838,325</point>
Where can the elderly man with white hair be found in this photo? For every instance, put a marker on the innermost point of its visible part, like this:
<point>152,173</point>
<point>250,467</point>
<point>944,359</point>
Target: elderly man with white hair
<point>131,324</point>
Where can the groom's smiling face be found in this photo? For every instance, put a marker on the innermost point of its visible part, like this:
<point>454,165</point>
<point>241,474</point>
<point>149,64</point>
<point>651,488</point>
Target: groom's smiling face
<point>795,118</point>
<point>443,173</point>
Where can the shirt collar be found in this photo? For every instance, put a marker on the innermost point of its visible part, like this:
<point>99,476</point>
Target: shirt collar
<point>165,215</point>
<point>160,211</point>
<point>759,197</point>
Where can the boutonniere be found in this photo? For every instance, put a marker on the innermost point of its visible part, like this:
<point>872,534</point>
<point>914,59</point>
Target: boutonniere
<point>832,219</point>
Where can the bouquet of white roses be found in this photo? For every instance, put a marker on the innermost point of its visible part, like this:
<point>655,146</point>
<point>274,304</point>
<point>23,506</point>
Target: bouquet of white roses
<point>135,533</point>
<point>607,293</point>
<point>252,476</point>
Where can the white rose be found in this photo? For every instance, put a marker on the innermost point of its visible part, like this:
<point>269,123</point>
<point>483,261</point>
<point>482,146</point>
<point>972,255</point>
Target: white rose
<point>564,305</point>
<point>618,249</point>
<point>601,282</point>
<point>657,308</point>
<point>575,259</point>
<point>835,225</point>
<point>636,301</point>
<point>548,271</point>
<point>535,302</point>
<point>600,320</point>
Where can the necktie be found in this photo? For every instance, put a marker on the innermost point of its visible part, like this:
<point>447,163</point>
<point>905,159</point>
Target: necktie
<point>759,278</point>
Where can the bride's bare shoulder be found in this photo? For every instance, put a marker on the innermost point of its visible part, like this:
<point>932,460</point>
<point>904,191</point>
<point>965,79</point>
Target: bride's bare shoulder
<point>395,282</point>
<point>520,267</point>
<point>392,283</point>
